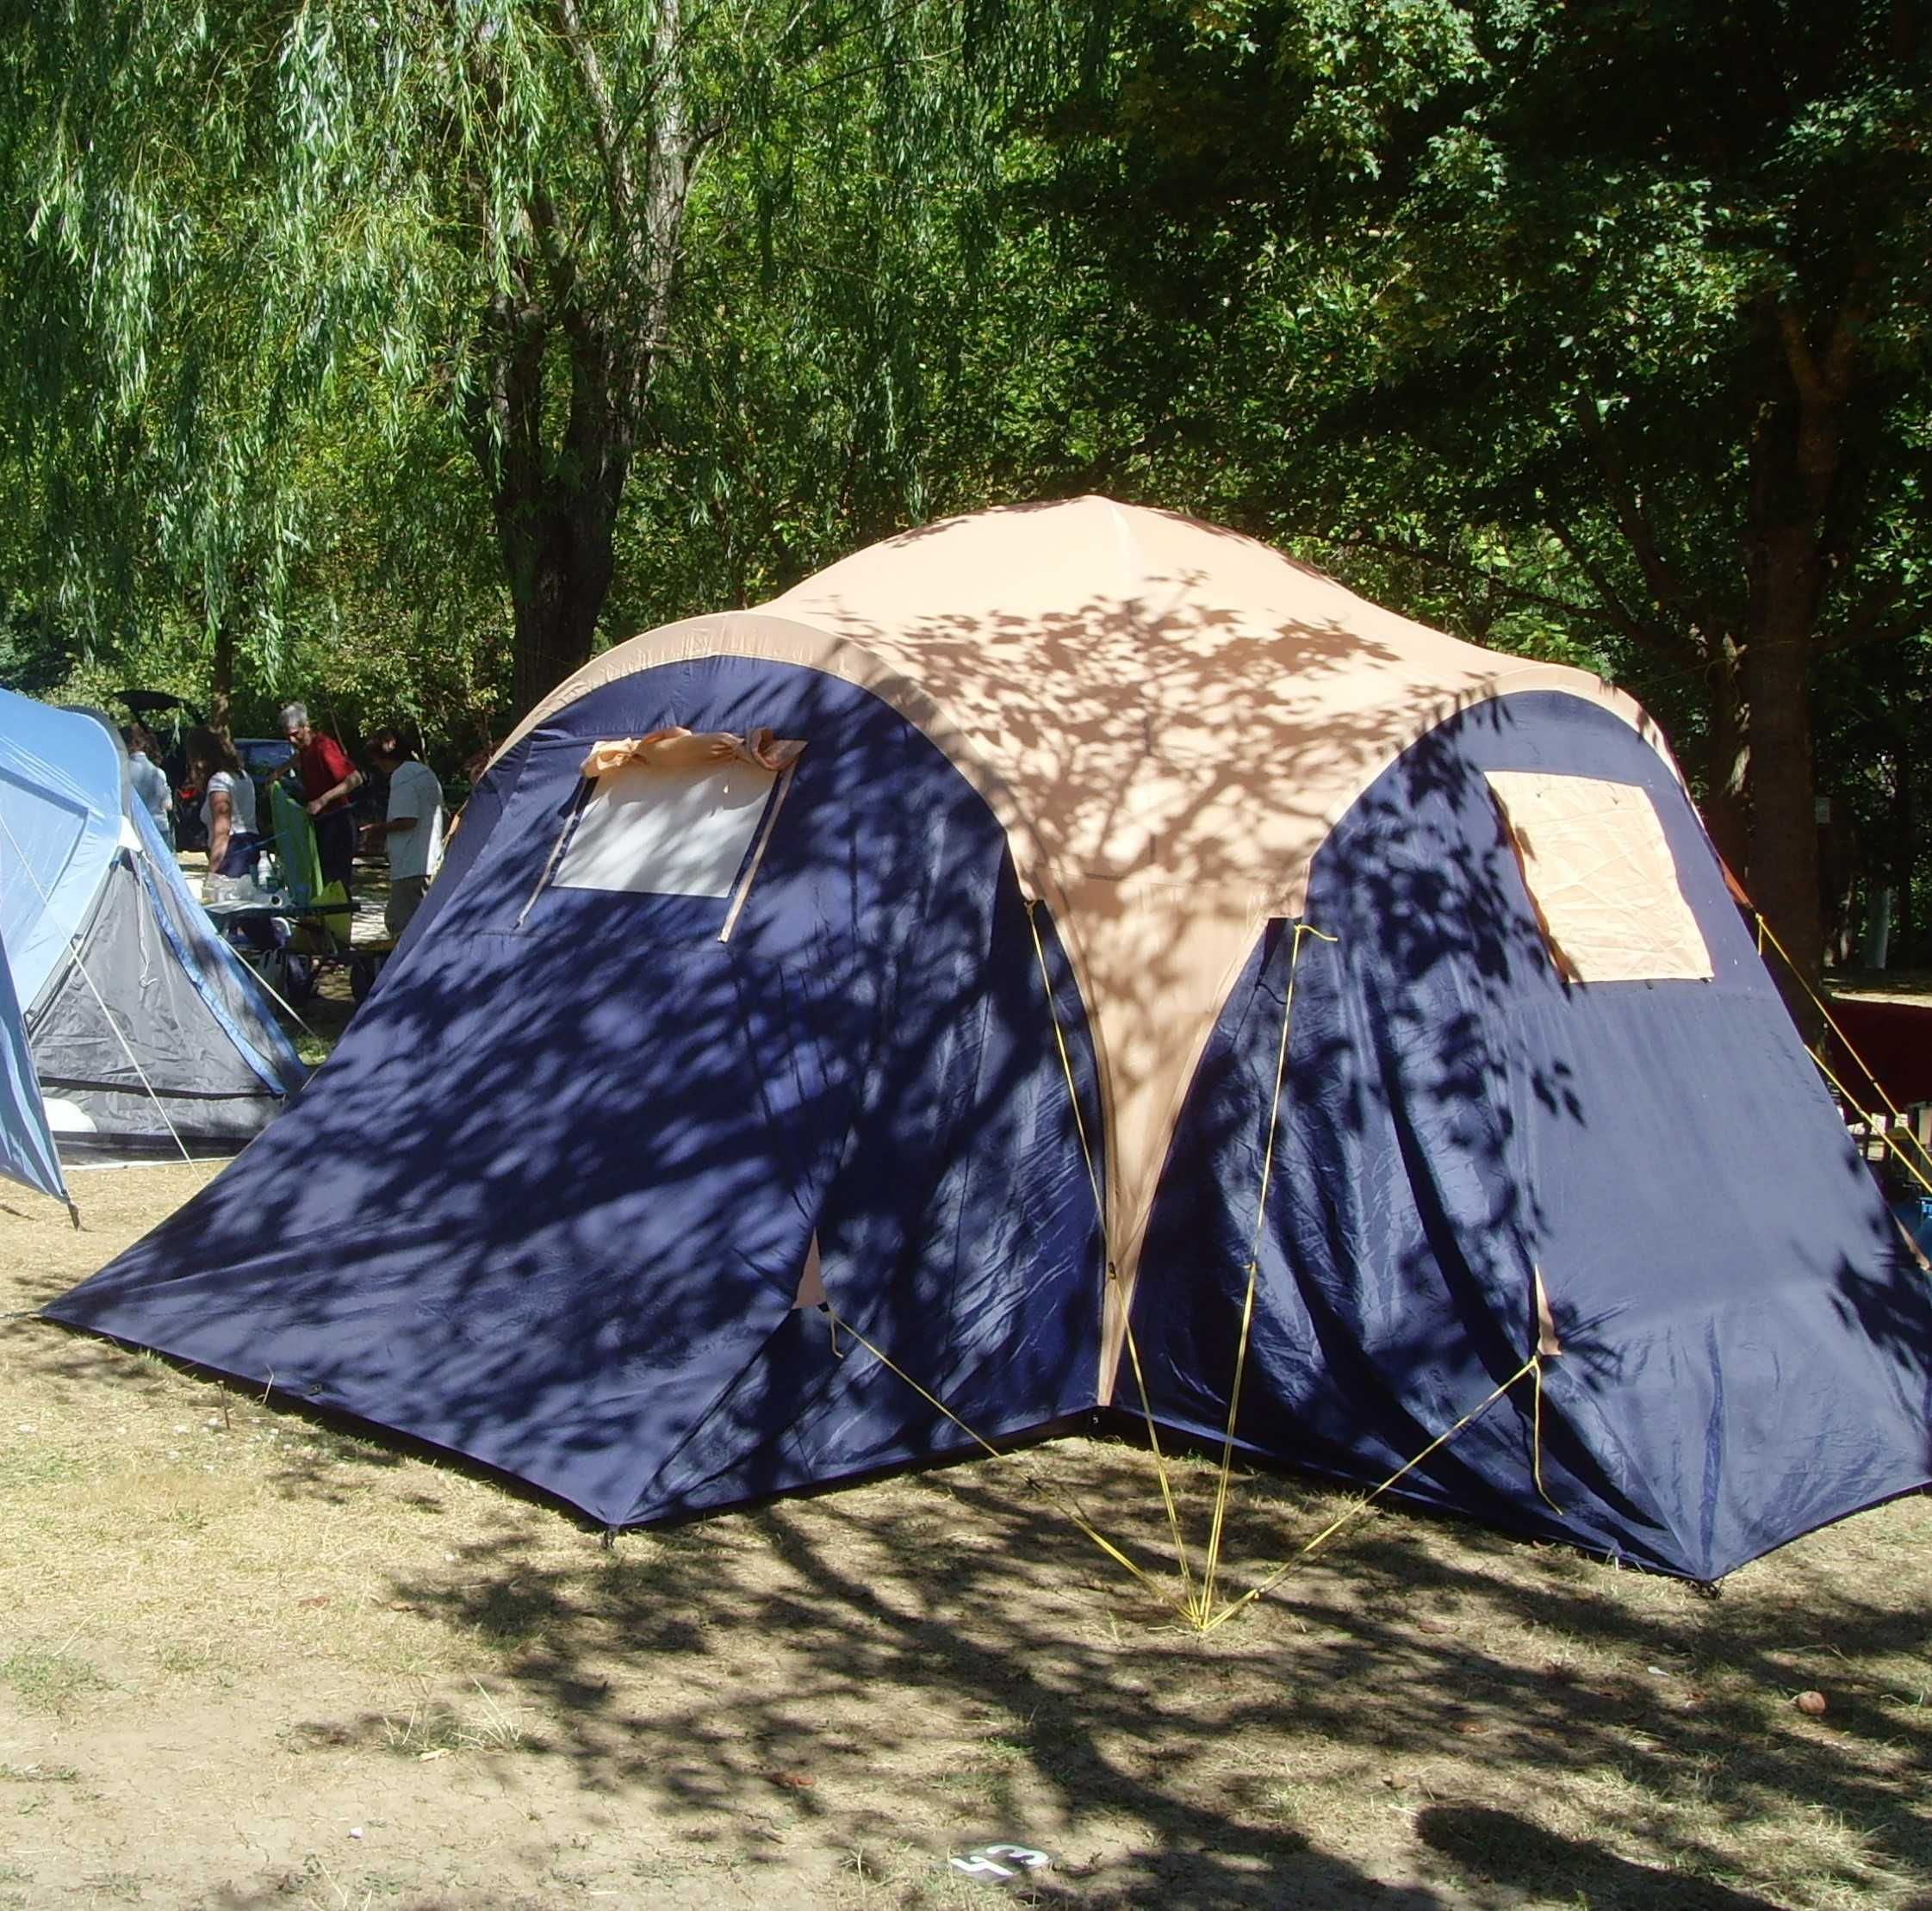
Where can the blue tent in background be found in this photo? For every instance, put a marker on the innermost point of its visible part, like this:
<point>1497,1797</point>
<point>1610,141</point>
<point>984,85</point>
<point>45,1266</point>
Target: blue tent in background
<point>1059,959</point>
<point>26,1142</point>
<point>145,1033</point>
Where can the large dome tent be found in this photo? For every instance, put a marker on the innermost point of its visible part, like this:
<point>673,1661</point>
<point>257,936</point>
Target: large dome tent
<point>949,939</point>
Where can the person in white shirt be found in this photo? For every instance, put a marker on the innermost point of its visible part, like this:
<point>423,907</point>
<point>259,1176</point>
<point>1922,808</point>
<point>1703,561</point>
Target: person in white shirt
<point>149,779</point>
<point>227,804</point>
<point>413,829</point>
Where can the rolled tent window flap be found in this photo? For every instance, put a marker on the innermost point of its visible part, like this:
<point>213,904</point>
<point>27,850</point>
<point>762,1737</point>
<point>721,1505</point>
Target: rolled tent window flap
<point>677,749</point>
<point>1601,877</point>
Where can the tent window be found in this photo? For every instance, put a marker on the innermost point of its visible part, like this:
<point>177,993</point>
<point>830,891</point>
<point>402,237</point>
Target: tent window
<point>648,830</point>
<point>1600,874</point>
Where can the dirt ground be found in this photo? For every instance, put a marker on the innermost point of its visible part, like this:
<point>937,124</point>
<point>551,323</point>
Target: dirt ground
<point>247,1660</point>
<point>1883,986</point>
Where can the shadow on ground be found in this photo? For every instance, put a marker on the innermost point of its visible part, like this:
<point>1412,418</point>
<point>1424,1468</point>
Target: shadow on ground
<point>938,1649</point>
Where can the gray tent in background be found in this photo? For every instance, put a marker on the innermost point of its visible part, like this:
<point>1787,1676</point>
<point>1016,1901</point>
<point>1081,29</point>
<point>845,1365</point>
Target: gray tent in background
<point>146,1032</point>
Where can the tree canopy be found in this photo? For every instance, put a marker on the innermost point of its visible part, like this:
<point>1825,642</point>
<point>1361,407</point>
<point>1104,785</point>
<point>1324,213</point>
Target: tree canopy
<point>423,348</point>
<point>1640,288</point>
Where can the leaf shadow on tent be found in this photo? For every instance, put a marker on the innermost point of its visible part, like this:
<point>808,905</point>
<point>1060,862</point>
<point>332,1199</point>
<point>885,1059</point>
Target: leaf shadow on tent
<point>1890,1310</point>
<point>519,1157</point>
<point>1458,1122</point>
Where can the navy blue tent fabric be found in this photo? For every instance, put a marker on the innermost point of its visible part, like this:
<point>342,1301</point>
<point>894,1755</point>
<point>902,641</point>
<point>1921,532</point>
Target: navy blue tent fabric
<point>557,1200</point>
<point>1746,1351</point>
<point>549,1202</point>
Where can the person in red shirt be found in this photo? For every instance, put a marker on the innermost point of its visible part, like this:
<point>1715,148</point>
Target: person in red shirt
<point>328,780</point>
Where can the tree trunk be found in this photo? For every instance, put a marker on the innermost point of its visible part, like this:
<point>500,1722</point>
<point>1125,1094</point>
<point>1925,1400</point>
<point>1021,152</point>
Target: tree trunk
<point>558,550</point>
<point>221,683</point>
<point>1904,833</point>
<point>555,510</point>
<point>1727,759</point>
<point>1784,831</point>
<point>1797,464</point>
<point>1878,928</point>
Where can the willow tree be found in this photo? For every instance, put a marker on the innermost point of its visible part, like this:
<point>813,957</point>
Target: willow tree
<point>474,219</point>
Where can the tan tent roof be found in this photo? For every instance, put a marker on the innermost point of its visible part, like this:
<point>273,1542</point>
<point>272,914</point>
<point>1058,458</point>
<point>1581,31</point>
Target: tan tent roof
<point>1169,718</point>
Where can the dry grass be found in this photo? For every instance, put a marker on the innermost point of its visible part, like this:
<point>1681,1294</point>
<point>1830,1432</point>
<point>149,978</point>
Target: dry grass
<point>245,1658</point>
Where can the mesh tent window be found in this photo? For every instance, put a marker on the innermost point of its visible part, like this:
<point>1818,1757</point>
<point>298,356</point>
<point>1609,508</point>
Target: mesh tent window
<point>648,830</point>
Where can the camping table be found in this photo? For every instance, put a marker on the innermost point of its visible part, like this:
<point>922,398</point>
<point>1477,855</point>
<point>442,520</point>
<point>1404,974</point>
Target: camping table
<point>361,964</point>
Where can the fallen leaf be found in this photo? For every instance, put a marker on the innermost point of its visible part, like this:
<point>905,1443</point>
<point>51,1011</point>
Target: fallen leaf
<point>1430,1625</point>
<point>441,1752</point>
<point>1811,1703</point>
<point>317,1599</point>
<point>793,1781</point>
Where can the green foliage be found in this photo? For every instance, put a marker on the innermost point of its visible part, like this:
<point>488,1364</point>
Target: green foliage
<point>364,333</point>
<point>1467,255</point>
<point>1616,316</point>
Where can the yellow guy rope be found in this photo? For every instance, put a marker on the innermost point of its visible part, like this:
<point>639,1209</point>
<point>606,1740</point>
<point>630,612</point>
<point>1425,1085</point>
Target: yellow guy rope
<point>1196,1607</point>
<point>1113,1275</point>
<point>1531,1365</point>
<point>1060,1502</point>
<point>1205,1605</point>
<point>1918,1173</point>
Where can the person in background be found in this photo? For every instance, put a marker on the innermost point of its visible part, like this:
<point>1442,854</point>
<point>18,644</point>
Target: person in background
<point>227,804</point>
<point>328,780</point>
<point>413,829</point>
<point>149,779</point>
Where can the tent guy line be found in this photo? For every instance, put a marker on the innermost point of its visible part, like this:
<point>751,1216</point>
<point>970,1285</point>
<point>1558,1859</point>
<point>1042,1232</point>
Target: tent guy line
<point>1183,1604</point>
<point>1207,1601</point>
<point>1111,1274</point>
<point>1532,1366</point>
<point>1908,1158</point>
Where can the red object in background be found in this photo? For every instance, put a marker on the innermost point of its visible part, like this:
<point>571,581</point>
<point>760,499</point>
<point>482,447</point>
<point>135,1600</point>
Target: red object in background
<point>1893,1039</point>
<point>321,767</point>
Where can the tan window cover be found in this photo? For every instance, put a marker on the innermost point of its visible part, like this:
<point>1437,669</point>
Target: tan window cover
<point>672,813</point>
<point>1602,878</point>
